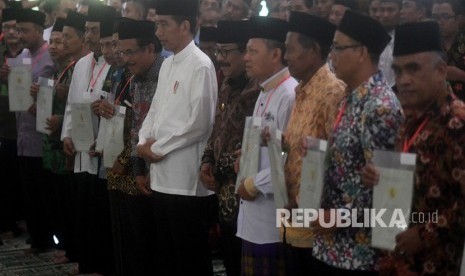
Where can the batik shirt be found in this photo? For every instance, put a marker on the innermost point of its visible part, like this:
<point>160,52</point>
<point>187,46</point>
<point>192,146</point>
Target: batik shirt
<point>371,117</point>
<point>316,106</point>
<point>142,91</point>
<point>440,169</point>
<point>54,158</point>
<point>236,101</point>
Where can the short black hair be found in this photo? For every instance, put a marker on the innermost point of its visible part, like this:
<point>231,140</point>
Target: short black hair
<point>145,41</point>
<point>191,19</point>
<point>273,44</point>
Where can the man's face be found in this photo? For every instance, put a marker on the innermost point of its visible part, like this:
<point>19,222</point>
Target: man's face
<point>324,7</point>
<point>118,58</point>
<point>258,59</point>
<point>115,4</point>
<point>230,59</point>
<point>418,79</point>
<point>446,18</point>
<point>136,59</point>
<point>234,10</point>
<point>374,10</point>
<point>29,34</point>
<point>56,48</point>
<point>92,37</point>
<point>151,13</point>
<point>209,4</point>
<point>169,32</point>
<point>106,46</point>
<point>390,14</point>
<point>10,31</point>
<point>299,59</point>
<point>409,12</point>
<point>337,12</point>
<point>344,56</point>
<point>72,44</point>
<point>299,6</point>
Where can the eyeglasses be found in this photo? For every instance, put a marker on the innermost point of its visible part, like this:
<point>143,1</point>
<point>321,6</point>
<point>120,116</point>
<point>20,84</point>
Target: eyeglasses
<point>341,48</point>
<point>130,52</point>
<point>442,17</point>
<point>223,52</point>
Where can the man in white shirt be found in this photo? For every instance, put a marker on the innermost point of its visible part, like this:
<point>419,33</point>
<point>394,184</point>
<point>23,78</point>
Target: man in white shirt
<point>93,208</point>
<point>173,137</point>
<point>256,224</point>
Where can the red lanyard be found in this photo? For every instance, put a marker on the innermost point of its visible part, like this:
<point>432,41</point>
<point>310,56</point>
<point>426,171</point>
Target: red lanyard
<point>122,91</point>
<point>66,69</point>
<point>339,115</point>
<point>271,95</point>
<point>408,143</point>
<point>92,80</point>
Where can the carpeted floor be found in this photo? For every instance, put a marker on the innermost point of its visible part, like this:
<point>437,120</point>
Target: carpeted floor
<point>16,261</point>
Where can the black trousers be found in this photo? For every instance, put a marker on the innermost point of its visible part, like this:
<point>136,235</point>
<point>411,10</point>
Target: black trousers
<point>299,261</point>
<point>231,248</point>
<point>38,197</point>
<point>94,238</point>
<point>181,234</point>
<point>11,196</point>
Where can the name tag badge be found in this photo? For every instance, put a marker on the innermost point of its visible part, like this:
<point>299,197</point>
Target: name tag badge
<point>122,110</point>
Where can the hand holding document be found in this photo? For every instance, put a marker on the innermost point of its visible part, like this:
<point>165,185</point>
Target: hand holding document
<point>250,151</point>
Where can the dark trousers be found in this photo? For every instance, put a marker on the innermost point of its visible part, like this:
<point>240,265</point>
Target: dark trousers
<point>231,248</point>
<point>94,239</point>
<point>298,260</point>
<point>11,203</point>
<point>38,198</point>
<point>141,255</point>
<point>181,234</point>
<point>327,270</point>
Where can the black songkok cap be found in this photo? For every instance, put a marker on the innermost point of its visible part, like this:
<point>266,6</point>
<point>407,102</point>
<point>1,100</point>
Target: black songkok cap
<point>76,20</point>
<point>105,15</point>
<point>369,32</point>
<point>128,29</point>
<point>9,14</point>
<point>177,7</point>
<point>208,34</point>
<point>233,31</point>
<point>269,28</point>
<point>32,16</point>
<point>58,26</point>
<point>350,4</point>
<point>119,20</point>
<point>417,37</point>
<point>313,27</point>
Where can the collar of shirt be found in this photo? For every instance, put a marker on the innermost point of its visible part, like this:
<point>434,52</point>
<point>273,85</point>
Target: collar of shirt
<point>184,53</point>
<point>274,80</point>
<point>365,87</point>
<point>321,73</point>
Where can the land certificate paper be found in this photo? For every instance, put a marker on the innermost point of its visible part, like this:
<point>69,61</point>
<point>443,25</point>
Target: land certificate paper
<point>19,84</point>
<point>44,104</point>
<point>312,175</point>
<point>82,129</point>
<point>392,196</point>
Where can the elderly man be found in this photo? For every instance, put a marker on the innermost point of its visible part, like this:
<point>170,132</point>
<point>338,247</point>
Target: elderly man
<point>318,97</point>
<point>435,131</point>
<point>237,98</point>
<point>368,119</point>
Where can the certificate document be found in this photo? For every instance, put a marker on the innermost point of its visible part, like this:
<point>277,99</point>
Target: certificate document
<point>44,104</point>
<point>393,196</point>
<point>82,129</point>
<point>114,137</point>
<point>19,84</point>
<point>277,161</point>
<point>102,130</point>
<point>250,150</point>
<point>312,174</point>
